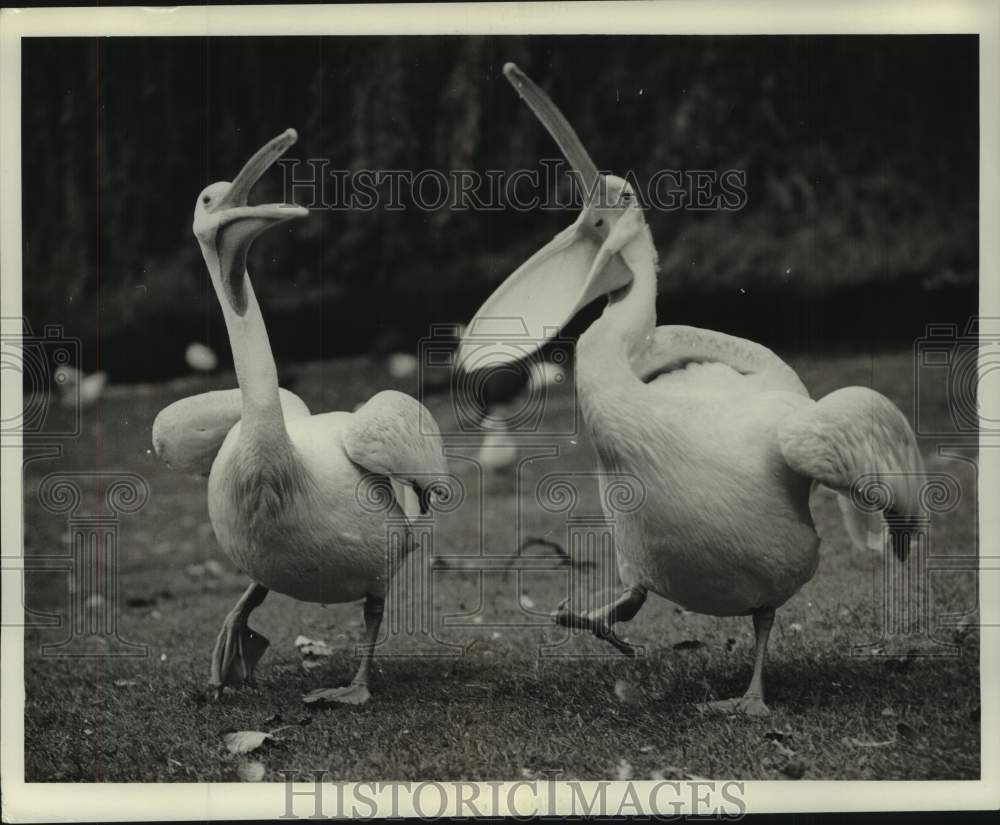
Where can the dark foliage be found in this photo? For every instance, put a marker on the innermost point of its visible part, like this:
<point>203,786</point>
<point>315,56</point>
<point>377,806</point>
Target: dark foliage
<point>861,156</point>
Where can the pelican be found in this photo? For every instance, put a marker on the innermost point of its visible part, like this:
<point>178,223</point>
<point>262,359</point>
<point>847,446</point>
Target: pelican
<point>200,357</point>
<point>721,433</point>
<point>283,485</point>
<point>77,388</point>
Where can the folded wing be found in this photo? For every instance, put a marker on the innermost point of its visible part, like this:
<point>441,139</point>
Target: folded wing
<point>187,434</point>
<point>849,434</point>
<point>396,436</point>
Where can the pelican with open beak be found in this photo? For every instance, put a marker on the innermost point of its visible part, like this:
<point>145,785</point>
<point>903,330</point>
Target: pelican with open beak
<point>284,486</point>
<point>719,431</point>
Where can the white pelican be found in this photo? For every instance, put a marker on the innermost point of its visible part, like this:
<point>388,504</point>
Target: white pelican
<point>719,430</point>
<point>283,486</point>
<point>200,357</point>
<point>75,387</point>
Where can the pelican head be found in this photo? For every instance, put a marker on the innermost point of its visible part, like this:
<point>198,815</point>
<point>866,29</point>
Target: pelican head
<point>570,271</point>
<point>225,225</point>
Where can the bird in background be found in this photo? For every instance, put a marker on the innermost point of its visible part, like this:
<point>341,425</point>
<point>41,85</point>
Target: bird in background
<point>77,388</point>
<point>299,502</point>
<point>718,432</point>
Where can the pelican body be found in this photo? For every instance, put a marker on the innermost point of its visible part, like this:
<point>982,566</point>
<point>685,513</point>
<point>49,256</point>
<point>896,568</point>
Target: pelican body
<point>286,489</point>
<point>720,432</point>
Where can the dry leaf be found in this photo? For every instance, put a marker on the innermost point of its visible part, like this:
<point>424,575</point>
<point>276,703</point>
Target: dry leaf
<point>669,772</point>
<point>689,644</point>
<point>250,771</point>
<point>624,772</point>
<point>850,740</point>
<point>527,601</point>
<point>908,732</point>
<point>627,692</point>
<point>313,647</point>
<point>782,749</point>
<point>794,769</point>
<point>125,682</point>
<point>244,741</point>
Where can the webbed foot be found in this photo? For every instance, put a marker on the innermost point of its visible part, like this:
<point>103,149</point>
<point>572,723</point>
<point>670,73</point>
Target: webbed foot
<point>746,705</point>
<point>237,651</point>
<point>355,693</point>
<point>595,623</point>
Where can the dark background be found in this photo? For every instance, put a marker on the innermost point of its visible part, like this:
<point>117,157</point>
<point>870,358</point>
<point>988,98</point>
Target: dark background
<point>861,155</point>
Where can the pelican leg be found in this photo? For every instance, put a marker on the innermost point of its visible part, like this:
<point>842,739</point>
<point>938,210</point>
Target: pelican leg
<point>601,621</point>
<point>238,647</point>
<point>752,702</point>
<point>356,693</point>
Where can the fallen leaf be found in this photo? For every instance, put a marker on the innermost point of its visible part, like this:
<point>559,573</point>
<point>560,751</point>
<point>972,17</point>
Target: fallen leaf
<point>244,741</point>
<point>624,771</point>
<point>794,769</point>
<point>850,740</point>
<point>777,735</point>
<point>313,647</point>
<point>888,712</point>
<point>627,692</point>
<point>647,749</point>
<point>669,772</point>
<point>527,601</point>
<point>689,644</point>
<point>250,771</point>
<point>125,682</point>
<point>795,627</point>
<point>908,732</point>
<point>782,749</point>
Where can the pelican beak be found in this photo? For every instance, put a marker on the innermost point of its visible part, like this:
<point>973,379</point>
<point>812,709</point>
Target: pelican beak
<point>554,284</point>
<point>240,224</point>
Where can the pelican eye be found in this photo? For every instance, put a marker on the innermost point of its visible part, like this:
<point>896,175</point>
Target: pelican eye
<point>600,223</point>
<point>206,199</point>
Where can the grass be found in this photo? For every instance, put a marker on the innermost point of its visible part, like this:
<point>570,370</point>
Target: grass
<point>499,710</point>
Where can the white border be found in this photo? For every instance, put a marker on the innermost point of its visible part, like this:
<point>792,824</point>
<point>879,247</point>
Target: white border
<point>115,802</point>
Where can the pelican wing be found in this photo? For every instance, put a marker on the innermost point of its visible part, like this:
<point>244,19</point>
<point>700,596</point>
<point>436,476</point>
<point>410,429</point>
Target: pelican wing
<point>852,433</point>
<point>675,348</point>
<point>187,434</point>
<point>395,435</point>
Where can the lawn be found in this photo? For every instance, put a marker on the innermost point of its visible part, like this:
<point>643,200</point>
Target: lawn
<point>491,707</point>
